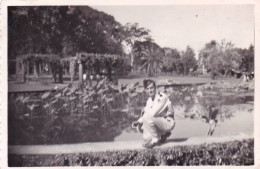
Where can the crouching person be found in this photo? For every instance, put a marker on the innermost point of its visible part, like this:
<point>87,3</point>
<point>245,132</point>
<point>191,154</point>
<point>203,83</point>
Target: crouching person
<point>158,116</point>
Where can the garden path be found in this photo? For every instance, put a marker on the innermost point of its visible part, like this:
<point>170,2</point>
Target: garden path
<point>113,146</point>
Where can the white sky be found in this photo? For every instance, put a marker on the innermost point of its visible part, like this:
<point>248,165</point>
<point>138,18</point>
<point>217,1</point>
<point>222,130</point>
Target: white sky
<point>177,26</point>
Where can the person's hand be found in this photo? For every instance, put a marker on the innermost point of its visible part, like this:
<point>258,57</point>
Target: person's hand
<point>169,119</point>
<point>135,124</point>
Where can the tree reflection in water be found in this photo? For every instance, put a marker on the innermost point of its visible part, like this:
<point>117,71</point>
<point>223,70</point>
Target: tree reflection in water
<point>76,114</point>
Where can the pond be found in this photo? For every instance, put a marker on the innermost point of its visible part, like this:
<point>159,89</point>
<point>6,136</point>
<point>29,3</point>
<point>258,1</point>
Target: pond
<point>242,122</point>
<point>77,114</point>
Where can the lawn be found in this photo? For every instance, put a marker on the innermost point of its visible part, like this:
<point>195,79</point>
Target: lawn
<point>38,86</point>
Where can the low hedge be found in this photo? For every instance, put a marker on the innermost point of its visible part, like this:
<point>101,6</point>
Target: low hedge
<point>229,153</point>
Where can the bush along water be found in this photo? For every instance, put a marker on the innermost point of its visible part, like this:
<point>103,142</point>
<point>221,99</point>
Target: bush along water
<point>228,153</point>
<point>77,113</point>
<point>73,114</point>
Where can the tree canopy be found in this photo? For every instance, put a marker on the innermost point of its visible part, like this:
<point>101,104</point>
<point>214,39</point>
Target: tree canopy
<point>62,30</point>
<point>221,57</point>
<point>188,60</point>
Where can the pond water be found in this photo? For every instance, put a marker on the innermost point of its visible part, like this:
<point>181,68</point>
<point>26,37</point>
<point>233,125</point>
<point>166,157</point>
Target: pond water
<point>241,122</point>
<point>107,114</point>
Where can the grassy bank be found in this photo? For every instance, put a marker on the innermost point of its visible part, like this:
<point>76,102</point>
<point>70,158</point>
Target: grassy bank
<point>229,153</point>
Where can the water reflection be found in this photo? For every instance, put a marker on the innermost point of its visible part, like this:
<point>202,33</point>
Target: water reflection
<point>107,114</point>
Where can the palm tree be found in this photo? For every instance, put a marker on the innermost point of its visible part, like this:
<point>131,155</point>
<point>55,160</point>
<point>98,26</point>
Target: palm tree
<point>154,61</point>
<point>149,56</point>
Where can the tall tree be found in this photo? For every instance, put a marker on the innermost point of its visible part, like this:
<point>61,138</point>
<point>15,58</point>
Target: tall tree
<point>134,34</point>
<point>218,58</point>
<point>247,64</point>
<point>171,59</point>
<point>188,60</point>
<point>62,30</point>
<point>149,56</point>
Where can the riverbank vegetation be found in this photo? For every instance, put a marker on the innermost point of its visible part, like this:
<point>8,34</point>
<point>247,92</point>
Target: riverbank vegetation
<point>79,114</point>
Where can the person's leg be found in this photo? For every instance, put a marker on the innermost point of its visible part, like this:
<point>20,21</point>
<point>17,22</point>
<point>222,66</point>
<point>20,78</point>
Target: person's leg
<point>212,127</point>
<point>154,127</point>
<point>164,124</point>
<point>149,130</point>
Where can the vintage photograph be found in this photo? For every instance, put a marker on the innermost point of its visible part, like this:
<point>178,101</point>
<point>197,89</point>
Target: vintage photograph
<point>145,85</point>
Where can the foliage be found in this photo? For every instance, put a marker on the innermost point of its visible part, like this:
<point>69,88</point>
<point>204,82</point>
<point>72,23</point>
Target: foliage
<point>49,58</point>
<point>80,114</point>
<point>103,64</point>
<point>183,62</point>
<point>22,61</point>
<point>135,33</point>
<point>188,60</point>
<point>247,64</point>
<point>94,114</point>
<point>171,60</point>
<point>62,30</point>
<point>221,57</point>
<point>132,35</point>
<point>227,153</point>
<point>148,57</point>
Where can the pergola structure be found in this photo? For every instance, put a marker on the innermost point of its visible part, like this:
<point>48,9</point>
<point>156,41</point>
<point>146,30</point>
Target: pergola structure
<point>38,63</point>
<point>89,63</point>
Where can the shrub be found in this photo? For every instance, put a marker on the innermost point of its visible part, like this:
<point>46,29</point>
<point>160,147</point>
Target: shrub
<point>228,153</point>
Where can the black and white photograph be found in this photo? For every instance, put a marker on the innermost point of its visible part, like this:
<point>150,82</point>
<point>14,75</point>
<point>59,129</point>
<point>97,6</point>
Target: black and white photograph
<point>130,85</point>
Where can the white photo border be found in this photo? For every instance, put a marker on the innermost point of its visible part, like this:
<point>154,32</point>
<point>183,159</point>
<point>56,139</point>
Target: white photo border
<point>3,62</point>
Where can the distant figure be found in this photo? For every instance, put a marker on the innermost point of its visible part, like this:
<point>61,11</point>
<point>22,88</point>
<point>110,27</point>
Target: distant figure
<point>60,72</point>
<point>237,74</point>
<point>232,72</point>
<point>251,75</point>
<point>245,78</point>
<point>84,78</point>
<point>158,116</point>
<point>91,77</point>
<point>98,78</point>
<point>212,119</point>
<point>46,68</point>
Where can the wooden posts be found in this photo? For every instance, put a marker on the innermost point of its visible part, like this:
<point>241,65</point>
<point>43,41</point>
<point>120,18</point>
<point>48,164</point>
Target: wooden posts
<point>72,69</point>
<point>36,65</point>
<point>17,68</point>
<point>35,70</point>
<point>80,70</point>
<point>27,68</point>
<point>23,70</point>
<point>20,70</point>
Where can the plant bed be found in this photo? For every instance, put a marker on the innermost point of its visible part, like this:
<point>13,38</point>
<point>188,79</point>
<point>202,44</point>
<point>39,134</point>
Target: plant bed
<point>228,153</point>
<point>77,114</point>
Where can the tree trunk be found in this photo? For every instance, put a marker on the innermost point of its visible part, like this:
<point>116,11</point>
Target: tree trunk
<point>132,62</point>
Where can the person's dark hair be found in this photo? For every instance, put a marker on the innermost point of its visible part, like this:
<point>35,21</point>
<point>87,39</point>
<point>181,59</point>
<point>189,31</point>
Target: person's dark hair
<point>147,82</point>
